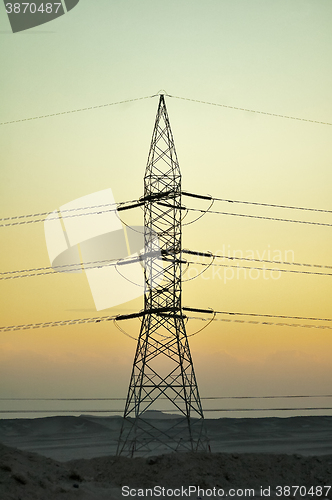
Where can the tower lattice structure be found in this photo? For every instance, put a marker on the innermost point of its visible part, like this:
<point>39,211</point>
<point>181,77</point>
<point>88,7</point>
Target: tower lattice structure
<point>163,374</point>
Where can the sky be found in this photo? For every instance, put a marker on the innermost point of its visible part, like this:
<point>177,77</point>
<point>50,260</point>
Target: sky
<point>261,55</point>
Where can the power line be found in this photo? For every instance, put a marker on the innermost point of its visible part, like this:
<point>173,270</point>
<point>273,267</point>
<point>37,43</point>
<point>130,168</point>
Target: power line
<point>257,217</point>
<point>264,323</point>
<point>208,197</point>
<point>265,409</point>
<point>271,397</point>
<point>227,266</point>
<point>42,214</point>
<point>122,206</point>
<point>63,411</point>
<point>40,271</point>
<point>288,263</point>
<point>288,396</point>
<point>58,269</point>
<point>166,410</point>
<point>50,324</point>
<point>250,110</point>
<point>67,399</point>
<point>101,319</point>
<point>211,311</point>
<point>184,208</point>
<point>76,110</point>
<point>67,268</point>
<point>119,207</point>
<point>168,95</point>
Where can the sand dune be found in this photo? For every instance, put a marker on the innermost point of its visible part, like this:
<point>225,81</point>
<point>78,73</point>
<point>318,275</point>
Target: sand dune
<point>256,453</point>
<point>65,438</point>
<point>29,476</point>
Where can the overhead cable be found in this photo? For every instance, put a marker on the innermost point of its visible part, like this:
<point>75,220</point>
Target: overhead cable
<point>290,207</point>
<point>123,331</point>
<point>66,268</point>
<point>203,328</point>
<point>264,323</point>
<point>288,396</point>
<point>211,311</point>
<point>165,410</point>
<point>41,271</point>
<point>100,319</point>
<point>250,110</point>
<point>69,322</point>
<point>264,409</point>
<point>286,263</point>
<point>207,266</point>
<point>76,110</point>
<point>258,217</point>
<point>126,205</point>
<point>119,207</point>
<point>197,218</point>
<point>227,266</point>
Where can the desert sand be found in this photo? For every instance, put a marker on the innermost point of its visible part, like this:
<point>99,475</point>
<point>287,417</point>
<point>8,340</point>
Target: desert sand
<point>76,459</point>
<point>66,438</point>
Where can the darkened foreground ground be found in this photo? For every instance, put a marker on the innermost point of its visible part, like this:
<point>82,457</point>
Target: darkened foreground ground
<point>29,476</point>
<point>76,460</point>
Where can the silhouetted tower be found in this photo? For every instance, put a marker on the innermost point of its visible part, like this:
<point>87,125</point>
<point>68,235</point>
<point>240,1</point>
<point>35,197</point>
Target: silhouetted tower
<point>163,375</point>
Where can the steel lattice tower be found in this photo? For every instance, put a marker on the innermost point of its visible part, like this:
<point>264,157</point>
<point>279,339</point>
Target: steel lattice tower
<point>163,367</point>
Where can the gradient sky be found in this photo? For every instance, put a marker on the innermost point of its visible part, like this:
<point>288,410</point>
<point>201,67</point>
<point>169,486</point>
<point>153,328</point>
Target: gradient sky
<point>263,55</point>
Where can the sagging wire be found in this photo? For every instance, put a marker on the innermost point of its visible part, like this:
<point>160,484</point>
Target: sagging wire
<point>208,311</point>
<point>199,217</point>
<point>124,277</point>
<point>77,110</point>
<point>183,218</point>
<point>288,396</point>
<point>265,323</point>
<point>122,331</point>
<point>130,227</point>
<point>107,263</point>
<point>288,263</point>
<point>199,310</point>
<point>119,207</point>
<point>278,219</point>
<point>205,326</point>
<point>249,110</point>
<point>272,205</point>
<point>206,267</point>
<point>293,271</point>
<point>66,268</point>
<point>165,410</point>
<point>49,324</point>
<point>186,269</point>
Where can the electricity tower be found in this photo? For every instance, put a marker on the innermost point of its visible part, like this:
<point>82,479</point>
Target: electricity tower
<point>163,370</point>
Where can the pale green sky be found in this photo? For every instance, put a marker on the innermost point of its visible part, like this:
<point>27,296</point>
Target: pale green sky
<point>273,56</point>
